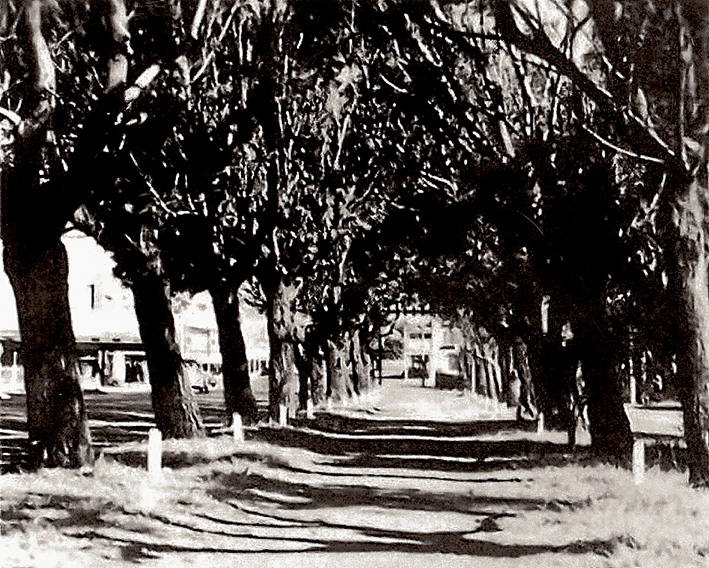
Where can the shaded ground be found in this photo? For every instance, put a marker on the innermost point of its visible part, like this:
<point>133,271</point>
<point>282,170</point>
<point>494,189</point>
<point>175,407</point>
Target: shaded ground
<point>371,485</point>
<point>119,416</point>
<point>257,504</point>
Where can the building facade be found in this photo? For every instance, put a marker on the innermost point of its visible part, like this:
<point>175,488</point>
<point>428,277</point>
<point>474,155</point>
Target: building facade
<point>430,350</point>
<point>111,352</point>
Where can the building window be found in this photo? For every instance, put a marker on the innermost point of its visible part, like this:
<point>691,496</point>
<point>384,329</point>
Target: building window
<point>93,297</point>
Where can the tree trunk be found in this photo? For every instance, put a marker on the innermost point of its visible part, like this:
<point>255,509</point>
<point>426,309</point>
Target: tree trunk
<point>527,398</point>
<point>692,257</point>
<point>283,384</point>
<point>338,384</point>
<point>360,372</point>
<point>480,371</point>
<point>282,378</point>
<point>693,356</point>
<point>56,416</point>
<point>36,264</point>
<point>238,396</point>
<point>318,378</point>
<point>513,382</point>
<point>176,412</point>
<point>608,424</point>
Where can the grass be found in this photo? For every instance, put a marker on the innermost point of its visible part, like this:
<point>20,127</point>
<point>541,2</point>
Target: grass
<point>246,505</point>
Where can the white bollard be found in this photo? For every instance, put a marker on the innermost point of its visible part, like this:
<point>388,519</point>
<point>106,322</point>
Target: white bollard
<point>540,424</point>
<point>282,415</point>
<point>638,461</point>
<point>309,409</point>
<point>237,428</point>
<point>155,454</point>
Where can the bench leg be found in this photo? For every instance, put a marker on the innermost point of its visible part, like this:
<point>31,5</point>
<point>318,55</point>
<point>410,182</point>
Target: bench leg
<point>638,460</point>
<point>540,424</point>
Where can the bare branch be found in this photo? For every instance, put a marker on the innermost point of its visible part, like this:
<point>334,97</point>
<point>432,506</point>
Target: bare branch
<point>198,17</point>
<point>539,45</point>
<point>622,150</point>
<point>118,26</point>
<point>44,73</point>
<point>12,116</point>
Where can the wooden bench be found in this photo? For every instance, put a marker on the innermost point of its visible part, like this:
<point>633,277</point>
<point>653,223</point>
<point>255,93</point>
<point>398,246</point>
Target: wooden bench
<point>663,422</point>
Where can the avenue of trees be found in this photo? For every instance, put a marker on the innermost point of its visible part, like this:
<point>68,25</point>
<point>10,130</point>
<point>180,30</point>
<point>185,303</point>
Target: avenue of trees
<point>537,172</point>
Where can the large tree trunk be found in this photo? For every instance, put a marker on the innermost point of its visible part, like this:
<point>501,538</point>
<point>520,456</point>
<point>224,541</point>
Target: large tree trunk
<point>36,263</point>
<point>692,256</point>
<point>693,356</point>
<point>176,412</point>
<point>56,416</point>
<point>238,396</point>
<point>282,376</point>
<point>608,424</point>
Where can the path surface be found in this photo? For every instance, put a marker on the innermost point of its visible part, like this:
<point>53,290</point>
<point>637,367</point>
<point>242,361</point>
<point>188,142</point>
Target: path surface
<point>118,416</point>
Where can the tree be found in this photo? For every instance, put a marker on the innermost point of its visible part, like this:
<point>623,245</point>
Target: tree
<point>657,118</point>
<point>49,141</point>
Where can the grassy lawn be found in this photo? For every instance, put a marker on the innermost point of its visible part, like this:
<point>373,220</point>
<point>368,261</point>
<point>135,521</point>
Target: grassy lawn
<point>260,504</point>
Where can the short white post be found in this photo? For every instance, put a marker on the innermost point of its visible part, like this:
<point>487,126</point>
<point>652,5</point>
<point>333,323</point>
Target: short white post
<point>154,454</point>
<point>638,461</point>
<point>309,409</point>
<point>237,428</point>
<point>15,368</point>
<point>282,414</point>
<point>540,423</point>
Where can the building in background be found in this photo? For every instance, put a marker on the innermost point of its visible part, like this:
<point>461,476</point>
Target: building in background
<point>423,347</point>
<point>111,352</point>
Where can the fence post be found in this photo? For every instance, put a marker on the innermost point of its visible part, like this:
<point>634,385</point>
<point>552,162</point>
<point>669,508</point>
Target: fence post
<point>237,427</point>
<point>638,461</point>
<point>154,454</point>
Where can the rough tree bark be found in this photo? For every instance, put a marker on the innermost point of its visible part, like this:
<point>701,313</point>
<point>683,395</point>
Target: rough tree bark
<point>176,412</point>
<point>338,372</point>
<point>56,416</point>
<point>282,376</point>
<point>692,259</point>
<point>36,264</point>
<point>691,254</point>
<point>238,396</point>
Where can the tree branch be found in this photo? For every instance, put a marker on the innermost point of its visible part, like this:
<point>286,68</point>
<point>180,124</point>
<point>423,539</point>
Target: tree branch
<point>622,150</point>
<point>118,27</point>
<point>540,46</point>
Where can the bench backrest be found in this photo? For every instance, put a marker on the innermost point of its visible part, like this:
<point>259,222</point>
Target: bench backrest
<point>656,421</point>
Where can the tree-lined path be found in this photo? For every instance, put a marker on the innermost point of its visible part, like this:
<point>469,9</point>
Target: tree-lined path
<point>429,422</point>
